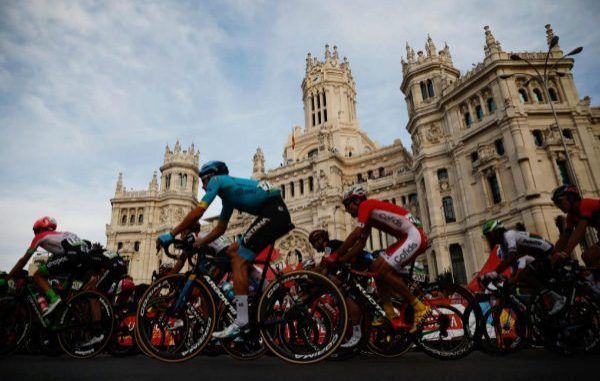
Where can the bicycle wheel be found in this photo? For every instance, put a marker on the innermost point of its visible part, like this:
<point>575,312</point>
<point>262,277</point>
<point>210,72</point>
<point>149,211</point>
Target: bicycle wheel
<point>249,345</point>
<point>505,329</point>
<point>445,334</point>
<point>86,324</point>
<point>302,317</point>
<point>170,333</point>
<point>387,341</point>
<point>15,324</point>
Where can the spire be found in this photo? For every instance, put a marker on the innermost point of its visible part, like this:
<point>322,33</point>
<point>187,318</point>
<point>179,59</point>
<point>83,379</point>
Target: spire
<point>327,53</point>
<point>119,187</point>
<point>447,52</point>
<point>550,36</point>
<point>258,171</point>
<point>430,47</point>
<point>309,62</point>
<point>177,148</point>
<point>410,54</point>
<point>491,44</point>
<point>336,57</point>
<point>154,183</point>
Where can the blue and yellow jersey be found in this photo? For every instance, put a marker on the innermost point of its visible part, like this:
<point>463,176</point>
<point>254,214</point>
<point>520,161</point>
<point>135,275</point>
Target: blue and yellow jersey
<point>245,195</point>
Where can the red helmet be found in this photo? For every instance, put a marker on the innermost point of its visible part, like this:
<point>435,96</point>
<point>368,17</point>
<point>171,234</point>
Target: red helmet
<point>126,284</point>
<point>44,223</point>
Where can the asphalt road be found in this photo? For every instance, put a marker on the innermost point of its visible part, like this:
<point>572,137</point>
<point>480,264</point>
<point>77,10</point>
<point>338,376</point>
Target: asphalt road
<point>527,365</point>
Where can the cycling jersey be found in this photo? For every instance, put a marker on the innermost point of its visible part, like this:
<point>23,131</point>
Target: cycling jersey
<point>589,209</point>
<point>245,195</point>
<point>219,244</point>
<point>52,241</point>
<point>525,243</point>
<point>398,222</point>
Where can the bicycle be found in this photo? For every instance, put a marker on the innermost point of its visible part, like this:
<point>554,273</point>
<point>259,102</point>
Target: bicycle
<point>300,316</point>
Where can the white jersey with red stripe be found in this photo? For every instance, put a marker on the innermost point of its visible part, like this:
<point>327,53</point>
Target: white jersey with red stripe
<point>385,216</point>
<point>51,241</point>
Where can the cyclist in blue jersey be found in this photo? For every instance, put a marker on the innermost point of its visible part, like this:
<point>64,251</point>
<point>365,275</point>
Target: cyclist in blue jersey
<point>249,196</point>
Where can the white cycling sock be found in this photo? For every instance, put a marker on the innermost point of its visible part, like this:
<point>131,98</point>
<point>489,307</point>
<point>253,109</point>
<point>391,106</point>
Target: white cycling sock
<point>241,308</point>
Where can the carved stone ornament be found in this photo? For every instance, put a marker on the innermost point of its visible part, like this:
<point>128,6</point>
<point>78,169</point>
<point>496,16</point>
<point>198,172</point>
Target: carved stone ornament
<point>292,242</point>
<point>164,215</point>
<point>434,134</point>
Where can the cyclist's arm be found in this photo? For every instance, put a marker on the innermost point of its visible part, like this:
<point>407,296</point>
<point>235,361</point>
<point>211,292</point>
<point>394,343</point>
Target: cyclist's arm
<point>576,236</point>
<point>21,262</point>
<point>561,243</point>
<point>189,220</point>
<point>511,257</point>
<point>215,233</point>
<point>358,246</point>
<point>178,265</point>
<point>350,241</point>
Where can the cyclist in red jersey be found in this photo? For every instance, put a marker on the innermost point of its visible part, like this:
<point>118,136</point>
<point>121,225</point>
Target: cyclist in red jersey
<point>396,221</point>
<point>581,213</point>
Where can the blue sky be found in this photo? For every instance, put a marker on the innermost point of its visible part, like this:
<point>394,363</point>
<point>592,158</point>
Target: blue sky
<point>89,89</point>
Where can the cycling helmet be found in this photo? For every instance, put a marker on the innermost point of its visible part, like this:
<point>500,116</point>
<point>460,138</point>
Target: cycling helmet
<point>44,223</point>
<point>356,192</point>
<point>316,234</point>
<point>213,168</point>
<point>565,190</point>
<point>492,225</point>
<point>126,285</point>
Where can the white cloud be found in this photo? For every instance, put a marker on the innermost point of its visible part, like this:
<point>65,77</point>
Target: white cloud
<point>89,89</point>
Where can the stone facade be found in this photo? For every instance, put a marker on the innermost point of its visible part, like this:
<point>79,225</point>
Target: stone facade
<point>482,147</point>
<point>138,217</point>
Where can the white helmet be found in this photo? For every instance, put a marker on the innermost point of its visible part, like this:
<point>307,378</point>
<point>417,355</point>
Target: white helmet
<point>354,192</point>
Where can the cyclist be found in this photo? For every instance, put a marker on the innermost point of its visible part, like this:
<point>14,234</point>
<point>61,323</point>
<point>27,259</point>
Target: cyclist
<point>526,255</point>
<point>581,213</point>
<point>396,221</point>
<point>257,198</point>
<point>66,250</point>
<point>319,239</point>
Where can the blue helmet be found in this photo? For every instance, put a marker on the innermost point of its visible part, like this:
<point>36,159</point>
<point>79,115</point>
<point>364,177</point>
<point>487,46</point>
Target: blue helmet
<point>214,168</point>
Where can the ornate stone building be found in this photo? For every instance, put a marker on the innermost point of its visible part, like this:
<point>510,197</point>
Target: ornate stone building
<point>139,216</point>
<point>483,147</point>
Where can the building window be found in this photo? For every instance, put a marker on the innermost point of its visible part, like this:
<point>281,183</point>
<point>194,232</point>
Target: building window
<point>403,200</point>
<point>491,105</point>
<point>292,190</point>
<point>325,115</point>
<point>310,184</point>
<point>282,191</point>
<point>448,209</point>
<point>132,219</point>
<point>136,246</point>
<point>141,219</point>
<point>412,198</point>
<point>381,172</point>
<point>468,119</point>
<point>183,180</point>
<point>168,181</point>
<point>523,96</point>
<point>538,137</point>
<point>313,152</point>
<point>442,174</point>
<point>318,101</point>
<point>301,186</point>
<point>458,264</point>
<point>430,92</point>
<point>370,174</point>
<point>567,133</point>
<point>423,90</point>
<point>312,106</point>
<point>313,119</point>
<point>394,201</point>
<point>324,99</point>
<point>563,169</point>
<point>499,144</point>
<point>119,246</point>
<point>319,117</point>
<point>495,189</point>
<point>537,95</point>
<point>474,156</point>
<point>124,219</point>
<point>479,112</point>
<point>553,96</point>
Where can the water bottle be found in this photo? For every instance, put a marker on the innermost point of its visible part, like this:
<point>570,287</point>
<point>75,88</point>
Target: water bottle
<point>43,303</point>
<point>227,288</point>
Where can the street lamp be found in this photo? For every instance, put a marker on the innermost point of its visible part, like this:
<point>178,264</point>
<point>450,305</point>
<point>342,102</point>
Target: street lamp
<point>542,79</point>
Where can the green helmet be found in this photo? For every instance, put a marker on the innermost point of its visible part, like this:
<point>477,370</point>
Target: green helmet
<point>492,225</point>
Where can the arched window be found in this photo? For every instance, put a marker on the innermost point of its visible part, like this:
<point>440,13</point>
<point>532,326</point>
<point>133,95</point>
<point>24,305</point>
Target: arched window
<point>458,264</point>
<point>124,219</point>
<point>479,112</point>
<point>553,96</point>
<point>442,174</point>
<point>523,96</point>
<point>183,180</point>
<point>495,189</point>
<point>359,178</point>
<point>282,191</point>
<point>324,100</point>
<point>168,181</point>
<point>423,90</point>
<point>313,152</point>
<point>292,190</point>
<point>311,184</point>
<point>448,209</point>
<point>140,219</point>
<point>381,172</point>
<point>538,138</point>
<point>468,119</point>
<point>301,186</point>
<point>132,219</point>
<point>136,246</point>
<point>119,246</point>
<point>567,133</point>
<point>430,88</point>
<point>537,95</point>
<point>499,144</point>
<point>491,105</point>
<point>324,115</point>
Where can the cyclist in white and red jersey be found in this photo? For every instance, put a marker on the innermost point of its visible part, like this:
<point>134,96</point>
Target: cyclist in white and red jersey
<point>65,249</point>
<point>581,214</point>
<point>395,221</point>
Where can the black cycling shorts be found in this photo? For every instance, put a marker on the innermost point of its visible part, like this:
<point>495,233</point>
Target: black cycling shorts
<point>273,222</point>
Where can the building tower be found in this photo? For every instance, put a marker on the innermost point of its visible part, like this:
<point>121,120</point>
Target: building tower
<point>139,216</point>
